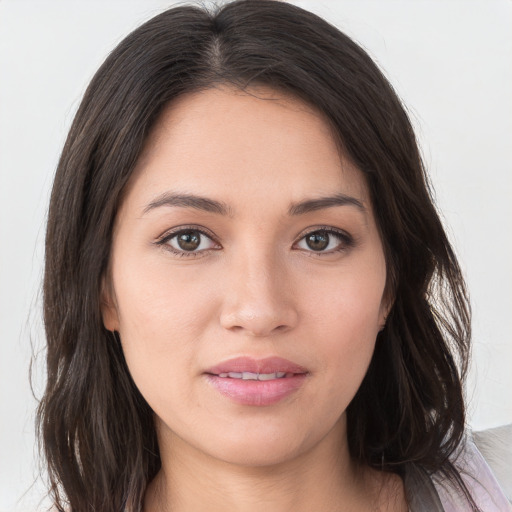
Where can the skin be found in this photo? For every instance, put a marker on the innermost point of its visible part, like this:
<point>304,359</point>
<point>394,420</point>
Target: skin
<point>253,288</point>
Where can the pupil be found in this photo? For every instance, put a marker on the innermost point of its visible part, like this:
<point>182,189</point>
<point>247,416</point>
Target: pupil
<point>189,241</point>
<point>317,241</point>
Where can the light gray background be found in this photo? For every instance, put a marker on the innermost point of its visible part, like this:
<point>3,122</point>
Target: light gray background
<point>450,61</point>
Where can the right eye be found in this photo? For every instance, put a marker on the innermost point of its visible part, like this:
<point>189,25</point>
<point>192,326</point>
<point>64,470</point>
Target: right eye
<point>188,242</point>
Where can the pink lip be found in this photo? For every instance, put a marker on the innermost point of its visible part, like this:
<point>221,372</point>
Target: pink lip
<point>256,392</point>
<point>248,364</point>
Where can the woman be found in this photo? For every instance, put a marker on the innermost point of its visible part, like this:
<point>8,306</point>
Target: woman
<point>249,297</point>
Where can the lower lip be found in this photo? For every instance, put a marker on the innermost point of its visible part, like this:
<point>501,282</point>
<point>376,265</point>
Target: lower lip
<point>257,392</point>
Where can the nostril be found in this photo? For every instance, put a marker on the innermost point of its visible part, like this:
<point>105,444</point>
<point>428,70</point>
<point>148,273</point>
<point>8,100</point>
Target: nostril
<point>258,317</point>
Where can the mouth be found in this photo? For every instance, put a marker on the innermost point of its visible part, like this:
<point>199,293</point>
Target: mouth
<point>247,367</point>
<point>255,376</point>
<point>248,381</point>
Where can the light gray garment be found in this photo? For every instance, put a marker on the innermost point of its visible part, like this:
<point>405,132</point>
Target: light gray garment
<point>421,492</point>
<point>434,493</point>
<point>495,444</point>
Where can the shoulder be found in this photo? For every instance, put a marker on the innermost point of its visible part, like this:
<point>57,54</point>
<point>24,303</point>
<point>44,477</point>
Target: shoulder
<point>479,479</point>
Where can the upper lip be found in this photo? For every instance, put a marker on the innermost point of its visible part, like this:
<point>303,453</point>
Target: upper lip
<point>249,364</point>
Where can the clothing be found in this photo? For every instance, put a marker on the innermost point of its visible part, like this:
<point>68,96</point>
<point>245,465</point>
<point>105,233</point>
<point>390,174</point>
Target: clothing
<point>432,493</point>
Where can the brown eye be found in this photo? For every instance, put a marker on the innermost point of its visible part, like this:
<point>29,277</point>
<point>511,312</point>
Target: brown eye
<point>326,241</point>
<point>317,241</point>
<point>189,241</point>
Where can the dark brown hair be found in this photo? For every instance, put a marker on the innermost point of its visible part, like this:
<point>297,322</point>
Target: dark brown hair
<point>96,429</point>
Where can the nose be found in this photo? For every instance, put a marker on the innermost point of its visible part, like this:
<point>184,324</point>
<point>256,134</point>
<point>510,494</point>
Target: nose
<point>258,298</point>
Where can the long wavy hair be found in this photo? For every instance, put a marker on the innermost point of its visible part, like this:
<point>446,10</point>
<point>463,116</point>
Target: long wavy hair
<point>96,430</point>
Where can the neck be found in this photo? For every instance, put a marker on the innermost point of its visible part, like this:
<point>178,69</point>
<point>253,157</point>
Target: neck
<point>323,478</point>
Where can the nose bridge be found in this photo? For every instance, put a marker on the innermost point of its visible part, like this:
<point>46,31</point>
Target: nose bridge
<point>259,268</point>
<point>257,300</point>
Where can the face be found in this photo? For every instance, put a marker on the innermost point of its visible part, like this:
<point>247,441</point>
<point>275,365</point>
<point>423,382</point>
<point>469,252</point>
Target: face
<point>247,277</point>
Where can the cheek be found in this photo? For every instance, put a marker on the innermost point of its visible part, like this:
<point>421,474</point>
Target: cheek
<point>162,316</point>
<point>348,304</point>
<point>156,300</point>
<point>345,320</point>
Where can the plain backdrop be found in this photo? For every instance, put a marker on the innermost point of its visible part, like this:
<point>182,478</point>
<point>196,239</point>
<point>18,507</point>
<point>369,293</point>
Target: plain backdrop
<point>451,63</point>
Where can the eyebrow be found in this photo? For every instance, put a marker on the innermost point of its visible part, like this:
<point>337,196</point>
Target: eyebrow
<point>189,201</point>
<point>213,206</point>
<point>310,205</point>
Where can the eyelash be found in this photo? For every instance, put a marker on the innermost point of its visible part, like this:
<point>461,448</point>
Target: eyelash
<point>346,241</point>
<point>167,237</point>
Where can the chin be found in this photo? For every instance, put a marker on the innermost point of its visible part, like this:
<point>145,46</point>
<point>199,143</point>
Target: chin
<point>259,447</point>
<point>259,456</point>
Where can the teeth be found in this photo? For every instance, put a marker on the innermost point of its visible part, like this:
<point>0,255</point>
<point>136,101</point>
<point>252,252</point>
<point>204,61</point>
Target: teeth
<point>267,376</point>
<point>253,376</point>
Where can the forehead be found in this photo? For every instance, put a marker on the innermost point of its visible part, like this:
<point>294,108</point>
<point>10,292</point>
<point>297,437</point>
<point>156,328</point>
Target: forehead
<point>259,144</point>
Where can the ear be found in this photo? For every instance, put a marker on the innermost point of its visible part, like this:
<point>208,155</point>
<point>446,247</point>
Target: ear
<point>385,308</point>
<point>108,304</point>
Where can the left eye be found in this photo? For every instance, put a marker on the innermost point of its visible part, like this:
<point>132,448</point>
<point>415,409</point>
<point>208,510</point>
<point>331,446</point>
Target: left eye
<point>324,241</point>
<point>190,240</point>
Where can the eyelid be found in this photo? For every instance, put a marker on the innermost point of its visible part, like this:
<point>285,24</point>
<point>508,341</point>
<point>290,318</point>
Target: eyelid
<point>168,233</point>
